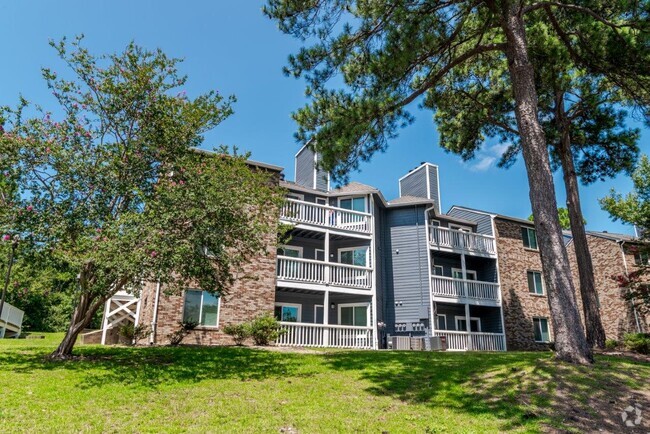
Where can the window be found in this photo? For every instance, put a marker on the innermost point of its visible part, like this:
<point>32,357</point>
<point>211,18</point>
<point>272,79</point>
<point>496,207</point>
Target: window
<point>321,201</point>
<point>535,285</point>
<point>290,251</point>
<point>295,196</point>
<point>354,256</point>
<point>641,258</point>
<point>461,324</point>
<point>457,273</point>
<point>460,228</point>
<point>201,307</point>
<point>442,321</point>
<point>530,237</point>
<point>438,270</point>
<point>540,326</point>
<point>318,314</point>
<point>320,254</point>
<point>435,223</point>
<point>353,203</point>
<point>353,314</point>
<point>288,312</point>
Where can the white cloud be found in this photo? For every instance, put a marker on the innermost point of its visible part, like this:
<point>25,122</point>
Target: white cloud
<point>487,157</point>
<point>483,163</point>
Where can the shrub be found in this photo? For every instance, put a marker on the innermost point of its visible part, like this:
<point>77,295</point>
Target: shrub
<point>239,332</point>
<point>184,328</point>
<point>611,344</point>
<point>637,342</point>
<point>131,334</point>
<point>264,329</point>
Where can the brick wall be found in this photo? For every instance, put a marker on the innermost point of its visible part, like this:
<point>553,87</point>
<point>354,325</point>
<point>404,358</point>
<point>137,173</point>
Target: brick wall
<point>519,305</point>
<point>248,298</point>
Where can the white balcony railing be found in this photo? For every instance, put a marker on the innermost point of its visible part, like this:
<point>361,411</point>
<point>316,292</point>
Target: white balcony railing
<point>459,288</point>
<point>321,335</point>
<point>467,241</point>
<point>11,319</point>
<point>298,211</point>
<point>474,341</point>
<point>322,273</point>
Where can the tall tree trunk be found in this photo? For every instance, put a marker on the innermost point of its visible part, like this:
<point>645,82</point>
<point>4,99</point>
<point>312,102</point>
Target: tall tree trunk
<point>81,317</point>
<point>588,294</point>
<point>570,342</point>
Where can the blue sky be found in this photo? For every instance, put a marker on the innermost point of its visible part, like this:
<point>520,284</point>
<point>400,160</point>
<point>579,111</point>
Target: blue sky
<point>230,46</point>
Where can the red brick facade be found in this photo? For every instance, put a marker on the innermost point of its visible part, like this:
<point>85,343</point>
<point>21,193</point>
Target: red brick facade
<point>520,306</point>
<point>248,298</point>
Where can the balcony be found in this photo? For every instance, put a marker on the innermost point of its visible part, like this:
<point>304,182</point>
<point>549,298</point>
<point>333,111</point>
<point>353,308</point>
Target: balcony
<point>474,341</point>
<point>308,271</point>
<point>460,241</point>
<point>470,290</point>
<point>11,321</point>
<point>313,214</point>
<point>325,335</point>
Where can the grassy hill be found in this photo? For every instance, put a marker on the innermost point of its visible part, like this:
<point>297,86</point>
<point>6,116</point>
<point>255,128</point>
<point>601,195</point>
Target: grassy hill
<point>228,389</point>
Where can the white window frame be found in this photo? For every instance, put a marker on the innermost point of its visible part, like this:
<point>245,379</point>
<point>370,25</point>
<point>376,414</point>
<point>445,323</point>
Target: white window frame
<point>283,304</point>
<point>297,248</point>
<point>295,196</point>
<point>471,318</point>
<point>366,305</point>
<point>434,223</point>
<point>441,268</point>
<point>316,254</point>
<point>324,199</point>
<point>316,306</point>
<point>541,278</point>
<point>548,327</point>
<point>528,229</point>
<point>200,326</point>
<point>438,315</point>
<point>348,249</point>
<point>363,196</point>
<point>456,227</point>
<point>460,270</point>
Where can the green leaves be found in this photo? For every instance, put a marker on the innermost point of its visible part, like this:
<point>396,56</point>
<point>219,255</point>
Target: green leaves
<point>634,207</point>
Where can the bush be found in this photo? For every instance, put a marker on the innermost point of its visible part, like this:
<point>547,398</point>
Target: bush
<point>264,329</point>
<point>131,334</point>
<point>239,332</point>
<point>637,342</point>
<point>611,344</point>
<point>184,328</point>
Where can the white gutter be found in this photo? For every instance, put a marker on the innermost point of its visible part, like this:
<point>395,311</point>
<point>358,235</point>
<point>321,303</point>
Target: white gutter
<point>154,320</point>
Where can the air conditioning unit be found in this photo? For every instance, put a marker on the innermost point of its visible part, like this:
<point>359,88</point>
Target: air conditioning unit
<point>418,344</point>
<point>400,342</point>
<point>438,343</point>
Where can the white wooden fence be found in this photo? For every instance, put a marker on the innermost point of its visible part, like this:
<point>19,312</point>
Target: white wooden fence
<point>299,211</point>
<point>321,335</point>
<point>319,272</point>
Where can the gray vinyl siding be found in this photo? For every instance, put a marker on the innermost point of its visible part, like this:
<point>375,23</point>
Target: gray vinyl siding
<point>414,184</point>
<point>379,217</point>
<point>433,185</point>
<point>406,272</point>
<point>483,221</point>
<point>308,301</point>
<point>305,167</point>
<point>486,269</point>
<point>490,316</point>
<point>321,177</point>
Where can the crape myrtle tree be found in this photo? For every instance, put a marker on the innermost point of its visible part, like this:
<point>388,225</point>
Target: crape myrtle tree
<point>389,54</point>
<point>634,208</point>
<point>582,117</point>
<point>117,190</point>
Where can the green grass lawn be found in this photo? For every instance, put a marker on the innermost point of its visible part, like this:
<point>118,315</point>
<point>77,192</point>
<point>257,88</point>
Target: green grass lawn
<point>226,389</point>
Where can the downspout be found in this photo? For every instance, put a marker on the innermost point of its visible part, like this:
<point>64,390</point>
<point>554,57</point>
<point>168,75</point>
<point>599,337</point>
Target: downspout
<point>636,314</point>
<point>152,336</point>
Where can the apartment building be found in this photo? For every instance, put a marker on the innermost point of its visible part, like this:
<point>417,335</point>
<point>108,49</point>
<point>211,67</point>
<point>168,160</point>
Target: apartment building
<point>357,269</point>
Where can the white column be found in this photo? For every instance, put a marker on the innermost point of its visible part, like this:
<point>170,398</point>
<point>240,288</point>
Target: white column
<point>468,327</point>
<point>463,274</point>
<point>326,319</point>
<point>107,309</point>
<point>327,257</point>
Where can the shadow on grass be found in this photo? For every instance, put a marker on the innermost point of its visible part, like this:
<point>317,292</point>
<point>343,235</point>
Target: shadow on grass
<point>521,389</point>
<point>151,367</point>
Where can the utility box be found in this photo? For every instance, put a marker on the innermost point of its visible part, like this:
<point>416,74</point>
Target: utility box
<point>438,343</point>
<point>417,344</point>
